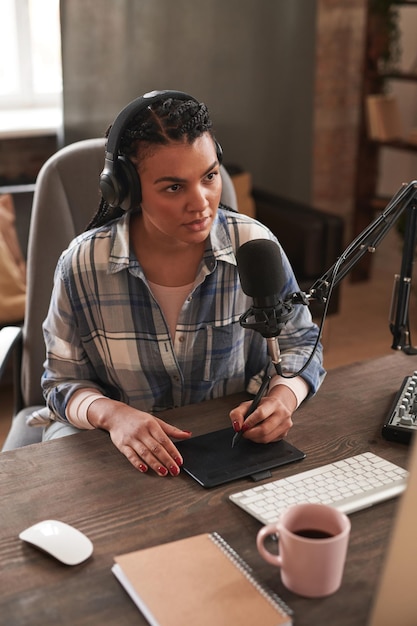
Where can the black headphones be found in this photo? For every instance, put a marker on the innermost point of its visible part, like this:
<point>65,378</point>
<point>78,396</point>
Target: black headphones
<point>119,180</point>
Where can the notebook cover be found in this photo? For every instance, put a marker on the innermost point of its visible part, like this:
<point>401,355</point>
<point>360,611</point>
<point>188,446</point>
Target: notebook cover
<point>197,580</point>
<point>211,460</point>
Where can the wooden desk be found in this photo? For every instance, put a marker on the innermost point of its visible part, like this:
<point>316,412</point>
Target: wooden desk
<point>85,481</point>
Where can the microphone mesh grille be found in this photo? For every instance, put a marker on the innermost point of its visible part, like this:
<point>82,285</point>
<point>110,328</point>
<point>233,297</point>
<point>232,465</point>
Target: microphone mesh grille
<point>259,264</point>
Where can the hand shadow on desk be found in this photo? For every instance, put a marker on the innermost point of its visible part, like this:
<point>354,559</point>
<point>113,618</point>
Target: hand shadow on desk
<point>211,460</point>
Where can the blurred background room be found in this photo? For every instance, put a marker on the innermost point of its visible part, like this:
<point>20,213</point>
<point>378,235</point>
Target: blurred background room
<point>287,84</point>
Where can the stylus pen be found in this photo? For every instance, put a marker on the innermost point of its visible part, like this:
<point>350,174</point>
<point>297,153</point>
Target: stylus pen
<point>255,403</point>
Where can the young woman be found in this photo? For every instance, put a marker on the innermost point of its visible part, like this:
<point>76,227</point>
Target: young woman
<point>145,309</point>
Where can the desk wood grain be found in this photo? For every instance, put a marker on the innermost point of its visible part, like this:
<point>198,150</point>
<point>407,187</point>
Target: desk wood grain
<point>85,481</point>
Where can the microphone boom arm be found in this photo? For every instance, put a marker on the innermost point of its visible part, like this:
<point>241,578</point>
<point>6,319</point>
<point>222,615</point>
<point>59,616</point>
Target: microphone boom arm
<point>399,314</point>
<point>367,241</point>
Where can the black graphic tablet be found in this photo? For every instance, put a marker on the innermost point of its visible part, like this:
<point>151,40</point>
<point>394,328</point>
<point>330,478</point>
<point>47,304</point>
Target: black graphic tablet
<point>211,460</point>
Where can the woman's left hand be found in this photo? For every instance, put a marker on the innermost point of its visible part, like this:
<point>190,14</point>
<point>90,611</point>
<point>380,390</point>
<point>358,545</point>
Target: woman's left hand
<point>272,419</point>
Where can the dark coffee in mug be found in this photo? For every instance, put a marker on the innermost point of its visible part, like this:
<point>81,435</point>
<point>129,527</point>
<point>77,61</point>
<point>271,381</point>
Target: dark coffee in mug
<point>313,533</point>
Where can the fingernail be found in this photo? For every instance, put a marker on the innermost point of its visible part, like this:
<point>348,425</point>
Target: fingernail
<point>174,470</point>
<point>178,460</point>
<point>143,468</point>
<point>236,426</point>
<point>188,432</point>
<point>245,427</point>
<point>162,470</point>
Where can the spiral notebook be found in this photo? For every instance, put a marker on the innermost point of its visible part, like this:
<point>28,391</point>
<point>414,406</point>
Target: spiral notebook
<point>198,580</point>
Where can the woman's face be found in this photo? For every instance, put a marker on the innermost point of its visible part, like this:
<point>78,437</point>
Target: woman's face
<point>181,188</point>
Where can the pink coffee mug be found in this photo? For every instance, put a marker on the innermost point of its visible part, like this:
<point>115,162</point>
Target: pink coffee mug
<point>313,541</point>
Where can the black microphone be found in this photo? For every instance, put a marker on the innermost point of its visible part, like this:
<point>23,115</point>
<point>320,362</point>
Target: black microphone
<point>262,277</point>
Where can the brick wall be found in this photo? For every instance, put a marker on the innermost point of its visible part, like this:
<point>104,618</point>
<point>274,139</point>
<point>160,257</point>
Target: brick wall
<point>340,33</point>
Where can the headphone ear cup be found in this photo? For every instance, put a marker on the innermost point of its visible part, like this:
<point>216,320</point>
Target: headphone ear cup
<point>120,184</point>
<point>109,186</point>
<point>129,183</point>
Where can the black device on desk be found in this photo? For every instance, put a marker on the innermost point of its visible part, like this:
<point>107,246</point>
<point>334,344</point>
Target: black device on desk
<point>211,460</point>
<point>401,422</point>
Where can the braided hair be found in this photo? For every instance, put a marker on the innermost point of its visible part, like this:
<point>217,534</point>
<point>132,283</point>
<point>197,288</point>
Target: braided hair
<point>161,123</point>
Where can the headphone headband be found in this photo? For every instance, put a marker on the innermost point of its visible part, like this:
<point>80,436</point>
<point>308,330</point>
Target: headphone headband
<point>133,108</point>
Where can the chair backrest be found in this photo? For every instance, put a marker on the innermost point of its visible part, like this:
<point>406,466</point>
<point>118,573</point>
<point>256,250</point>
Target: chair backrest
<point>66,197</point>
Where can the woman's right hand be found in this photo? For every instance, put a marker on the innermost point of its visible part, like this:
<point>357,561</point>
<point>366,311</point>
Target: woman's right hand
<point>141,437</point>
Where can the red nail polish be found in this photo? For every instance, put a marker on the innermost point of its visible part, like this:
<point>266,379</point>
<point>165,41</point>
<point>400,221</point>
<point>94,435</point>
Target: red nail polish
<point>245,427</point>
<point>162,470</point>
<point>236,426</point>
<point>188,432</point>
<point>174,470</point>
<point>178,460</point>
<point>143,468</point>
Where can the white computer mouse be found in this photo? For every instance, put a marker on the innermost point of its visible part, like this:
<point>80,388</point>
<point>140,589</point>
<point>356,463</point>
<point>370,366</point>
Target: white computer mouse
<point>60,540</point>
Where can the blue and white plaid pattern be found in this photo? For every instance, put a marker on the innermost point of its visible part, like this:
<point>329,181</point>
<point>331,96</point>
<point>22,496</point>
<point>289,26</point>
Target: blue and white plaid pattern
<point>104,329</point>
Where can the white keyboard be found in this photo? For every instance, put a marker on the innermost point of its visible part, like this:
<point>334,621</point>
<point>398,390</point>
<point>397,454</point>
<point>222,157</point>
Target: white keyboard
<point>349,485</point>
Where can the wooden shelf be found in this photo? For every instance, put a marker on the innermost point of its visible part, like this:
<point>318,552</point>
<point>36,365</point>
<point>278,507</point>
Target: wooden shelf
<point>367,202</point>
<point>398,144</point>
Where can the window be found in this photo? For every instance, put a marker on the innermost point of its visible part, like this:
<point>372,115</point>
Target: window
<point>30,60</point>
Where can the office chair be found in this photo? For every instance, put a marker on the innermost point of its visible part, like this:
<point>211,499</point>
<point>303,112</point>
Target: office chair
<point>66,196</point>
